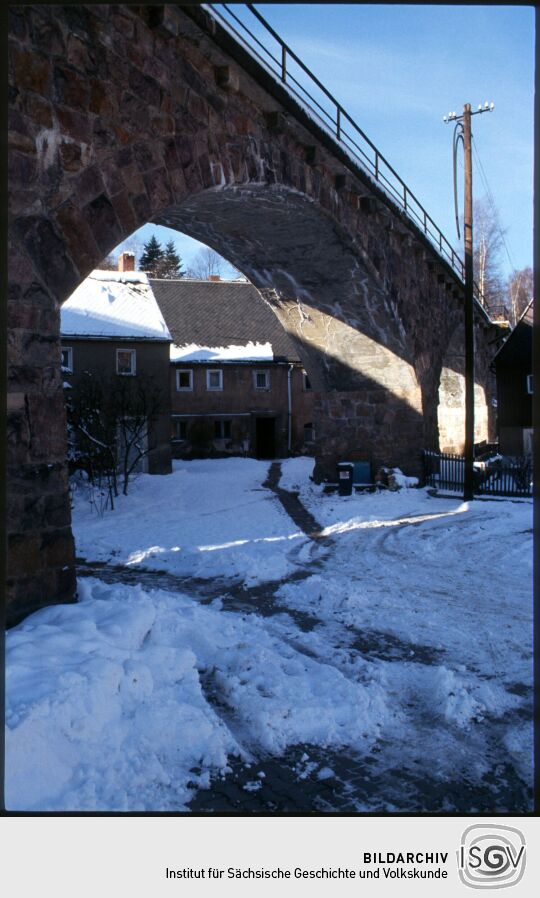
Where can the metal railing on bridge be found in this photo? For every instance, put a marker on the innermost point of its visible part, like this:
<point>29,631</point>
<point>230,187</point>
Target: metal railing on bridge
<point>277,57</point>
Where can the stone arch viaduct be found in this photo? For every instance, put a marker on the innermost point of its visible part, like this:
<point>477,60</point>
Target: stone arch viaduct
<point>123,115</point>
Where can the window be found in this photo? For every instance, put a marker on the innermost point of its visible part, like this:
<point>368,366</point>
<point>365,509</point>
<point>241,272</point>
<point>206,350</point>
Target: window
<point>214,379</point>
<point>261,380</point>
<point>179,429</point>
<point>309,433</point>
<point>67,359</point>
<point>529,383</point>
<point>184,379</point>
<point>306,381</point>
<point>125,361</point>
<point>222,430</point>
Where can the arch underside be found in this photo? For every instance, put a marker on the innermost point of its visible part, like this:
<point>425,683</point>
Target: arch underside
<point>348,334</point>
<point>116,122</point>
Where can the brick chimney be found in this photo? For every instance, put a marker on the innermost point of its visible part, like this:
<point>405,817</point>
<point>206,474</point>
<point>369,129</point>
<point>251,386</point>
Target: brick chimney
<point>214,277</point>
<point>126,262</point>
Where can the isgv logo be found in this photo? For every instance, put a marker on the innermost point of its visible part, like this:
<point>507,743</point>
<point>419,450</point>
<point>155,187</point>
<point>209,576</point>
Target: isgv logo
<point>491,856</point>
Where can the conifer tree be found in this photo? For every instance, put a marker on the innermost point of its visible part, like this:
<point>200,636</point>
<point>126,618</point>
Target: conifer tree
<point>170,265</point>
<point>151,256</point>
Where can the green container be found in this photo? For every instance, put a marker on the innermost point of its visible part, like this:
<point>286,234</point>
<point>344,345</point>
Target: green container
<point>362,473</point>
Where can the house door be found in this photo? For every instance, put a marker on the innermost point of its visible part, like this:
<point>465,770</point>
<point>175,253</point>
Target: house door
<point>265,437</point>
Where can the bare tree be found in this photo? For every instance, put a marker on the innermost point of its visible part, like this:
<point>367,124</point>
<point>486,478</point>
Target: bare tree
<point>110,420</point>
<point>131,245</point>
<point>488,242</point>
<point>520,292</point>
<point>207,263</point>
<point>91,436</point>
<point>110,263</point>
<point>136,404</point>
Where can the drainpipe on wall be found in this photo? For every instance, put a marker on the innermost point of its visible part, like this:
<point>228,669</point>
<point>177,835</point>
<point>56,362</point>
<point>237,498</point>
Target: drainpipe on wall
<point>289,409</point>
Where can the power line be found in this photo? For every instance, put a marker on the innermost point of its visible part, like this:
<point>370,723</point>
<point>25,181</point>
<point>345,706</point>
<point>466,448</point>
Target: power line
<point>492,203</point>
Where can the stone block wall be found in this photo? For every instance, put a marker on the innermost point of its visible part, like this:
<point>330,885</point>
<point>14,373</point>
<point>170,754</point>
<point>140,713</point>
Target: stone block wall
<point>121,115</point>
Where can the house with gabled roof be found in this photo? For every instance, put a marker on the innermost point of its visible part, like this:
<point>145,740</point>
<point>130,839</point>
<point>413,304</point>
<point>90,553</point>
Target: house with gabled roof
<point>238,386</point>
<point>111,326</point>
<point>513,369</point>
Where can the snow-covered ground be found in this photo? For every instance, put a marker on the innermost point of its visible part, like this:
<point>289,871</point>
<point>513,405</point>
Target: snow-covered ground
<point>209,519</point>
<point>416,654</point>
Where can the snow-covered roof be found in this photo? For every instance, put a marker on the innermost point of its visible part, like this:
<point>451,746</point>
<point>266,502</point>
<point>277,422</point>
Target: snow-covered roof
<point>251,352</point>
<point>517,346</point>
<point>528,314</point>
<point>221,321</point>
<point>114,304</point>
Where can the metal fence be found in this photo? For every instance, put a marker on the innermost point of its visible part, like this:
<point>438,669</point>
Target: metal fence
<point>445,471</point>
<point>254,33</point>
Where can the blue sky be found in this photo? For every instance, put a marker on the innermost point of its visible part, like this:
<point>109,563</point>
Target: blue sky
<point>398,69</point>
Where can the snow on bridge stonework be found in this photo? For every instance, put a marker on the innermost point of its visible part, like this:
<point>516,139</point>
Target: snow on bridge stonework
<point>121,115</point>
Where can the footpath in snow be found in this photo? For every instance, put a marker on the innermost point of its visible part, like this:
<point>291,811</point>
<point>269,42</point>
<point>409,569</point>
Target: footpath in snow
<point>401,642</point>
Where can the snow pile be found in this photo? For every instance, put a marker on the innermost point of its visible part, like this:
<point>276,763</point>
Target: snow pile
<point>206,519</point>
<point>119,723</point>
<point>463,703</point>
<point>250,352</point>
<point>282,697</point>
<point>106,708</point>
<point>519,743</point>
<point>113,304</point>
<point>397,479</point>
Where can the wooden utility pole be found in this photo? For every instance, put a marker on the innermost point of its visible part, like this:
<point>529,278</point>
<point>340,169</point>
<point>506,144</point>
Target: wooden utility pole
<point>463,132</point>
<point>468,486</point>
